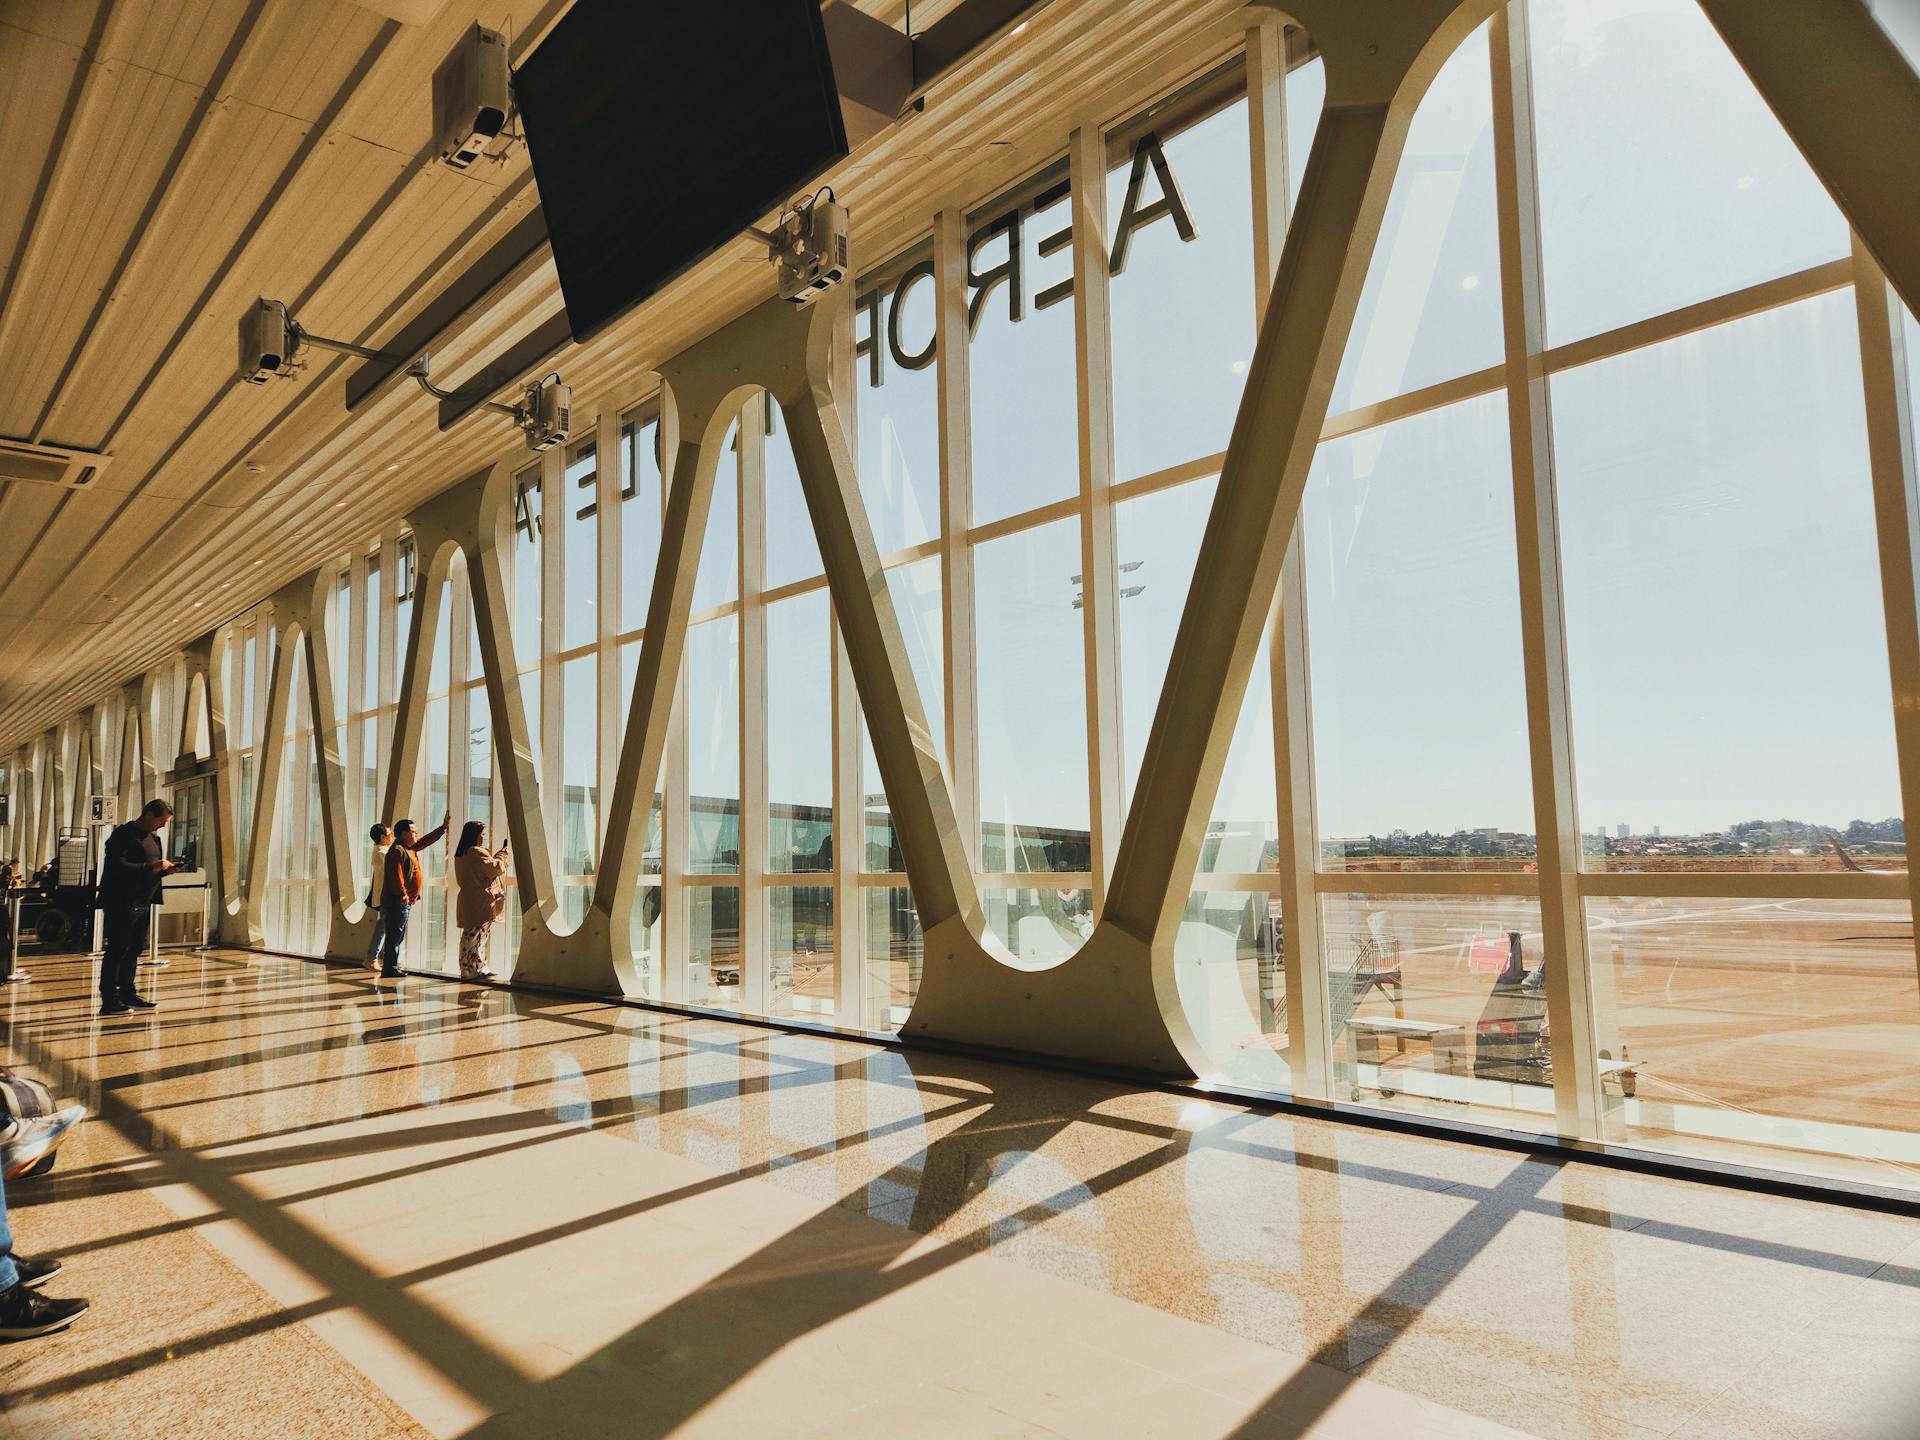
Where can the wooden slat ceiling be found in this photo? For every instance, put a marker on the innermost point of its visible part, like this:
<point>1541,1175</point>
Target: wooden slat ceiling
<point>168,160</point>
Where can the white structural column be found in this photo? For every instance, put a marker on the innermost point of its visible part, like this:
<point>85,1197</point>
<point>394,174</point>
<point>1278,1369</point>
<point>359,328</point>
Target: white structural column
<point>1099,567</point>
<point>1891,447</point>
<point>86,763</point>
<point>953,374</point>
<point>269,758</point>
<point>51,782</point>
<point>1576,1087</point>
<point>849,799</point>
<point>703,401</point>
<point>608,457</point>
<point>551,526</point>
<point>387,620</point>
<point>300,610</point>
<point>355,686</point>
<point>476,518</point>
<point>461,647</point>
<point>751,655</point>
<point>135,743</point>
<point>207,659</point>
<point>1309,1021</point>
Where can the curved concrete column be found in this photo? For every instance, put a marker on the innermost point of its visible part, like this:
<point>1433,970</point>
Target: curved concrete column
<point>299,611</point>
<point>1116,1001</point>
<point>704,387</point>
<point>475,517</point>
<point>206,658</point>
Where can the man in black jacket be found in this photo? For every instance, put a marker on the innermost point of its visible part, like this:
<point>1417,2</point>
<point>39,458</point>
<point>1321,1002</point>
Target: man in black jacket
<point>129,884</point>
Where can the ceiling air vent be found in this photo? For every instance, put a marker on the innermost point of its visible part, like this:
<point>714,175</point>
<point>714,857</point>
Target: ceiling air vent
<point>50,464</point>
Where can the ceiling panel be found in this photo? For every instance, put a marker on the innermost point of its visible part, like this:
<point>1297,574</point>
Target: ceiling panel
<point>209,151</point>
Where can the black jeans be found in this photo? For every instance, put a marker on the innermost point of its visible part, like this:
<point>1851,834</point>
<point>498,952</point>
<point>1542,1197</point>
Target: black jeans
<point>393,914</point>
<point>126,927</point>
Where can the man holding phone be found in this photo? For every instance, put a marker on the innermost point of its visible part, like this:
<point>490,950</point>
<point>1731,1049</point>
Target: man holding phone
<point>130,876</point>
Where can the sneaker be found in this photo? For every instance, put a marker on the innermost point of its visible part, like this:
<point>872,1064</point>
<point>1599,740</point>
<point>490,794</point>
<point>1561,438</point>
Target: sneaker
<point>35,1273</point>
<point>140,1002</point>
<point>35,1139</point>
<point>26,1313</point>
<point>111,1008</point>
<point>389,972</point>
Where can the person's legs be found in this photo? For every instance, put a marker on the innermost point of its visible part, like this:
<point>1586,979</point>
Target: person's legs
<point>396,917</point>
<point>24,1312</point>
<point>9,1272</point>
<point>473,952</point>
<point>379,938</point>
<point>114,969</point>
<point>139,921</point>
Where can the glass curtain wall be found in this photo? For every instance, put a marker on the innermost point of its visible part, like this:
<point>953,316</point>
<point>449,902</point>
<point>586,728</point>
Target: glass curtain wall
<point>1730,920</point>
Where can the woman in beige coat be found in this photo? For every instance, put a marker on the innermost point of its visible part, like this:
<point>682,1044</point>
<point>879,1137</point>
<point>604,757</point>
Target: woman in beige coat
<point>480,874</point>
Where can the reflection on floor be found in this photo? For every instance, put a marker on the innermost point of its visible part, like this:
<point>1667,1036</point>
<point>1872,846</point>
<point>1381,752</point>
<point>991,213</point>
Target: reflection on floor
<point>321,1204</point>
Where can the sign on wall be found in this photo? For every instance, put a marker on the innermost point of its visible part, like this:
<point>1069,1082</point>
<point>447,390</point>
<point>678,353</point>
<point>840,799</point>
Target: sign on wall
<point>104,809</point>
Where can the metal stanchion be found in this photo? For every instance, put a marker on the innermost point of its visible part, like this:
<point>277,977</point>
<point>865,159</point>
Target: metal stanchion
<point>10,972</point>
<point>153,938</point>
<point>153,930</point>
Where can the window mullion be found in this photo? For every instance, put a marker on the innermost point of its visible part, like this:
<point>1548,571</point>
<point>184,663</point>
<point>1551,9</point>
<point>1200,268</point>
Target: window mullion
<point>1309,1027</point>
<point>952,376</point>
<point>751,656</point>
<point>1571,1003</point>
<point>1099,566</point>
<point>849,800</point>
<point>1891,447</point>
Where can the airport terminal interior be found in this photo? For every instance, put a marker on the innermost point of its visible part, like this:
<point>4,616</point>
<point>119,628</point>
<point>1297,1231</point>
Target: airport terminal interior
<point>959,718</point>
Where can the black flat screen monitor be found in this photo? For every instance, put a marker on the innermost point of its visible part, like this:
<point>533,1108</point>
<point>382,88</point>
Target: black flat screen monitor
<point>660,131</point>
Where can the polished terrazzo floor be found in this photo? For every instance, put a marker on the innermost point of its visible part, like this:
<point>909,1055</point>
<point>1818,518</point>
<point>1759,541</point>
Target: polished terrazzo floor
<point>314,1203</point>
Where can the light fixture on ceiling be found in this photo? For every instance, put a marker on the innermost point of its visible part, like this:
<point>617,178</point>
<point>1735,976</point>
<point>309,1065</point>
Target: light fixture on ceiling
<point>272,343</point>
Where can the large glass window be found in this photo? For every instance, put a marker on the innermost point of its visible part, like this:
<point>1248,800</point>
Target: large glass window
<point>579,765</point>
<point>1664,179</point>
<point>1026,447</point>
<point>1779,1023</point>
<point>1419,705</point>
<point>1717,544</point>
<point>640,502</point>
<point>527,556</point>
<point>579,623</point>
<point>799,735</point>
<point>713,747</point>
<point>792,551</point>
<point>1431,306</point>
<point>1030,660</point>
<point>1180,214</point>
<point>718,582</point>
<point>370,676</point>
<point>1157,538</point>
<point>800,955</point>
<point>897,387</point>
<point>1438,1004</point>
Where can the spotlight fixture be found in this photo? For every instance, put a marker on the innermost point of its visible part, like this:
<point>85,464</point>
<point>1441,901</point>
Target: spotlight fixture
<point>808,244</point>
<point>544,414</point>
